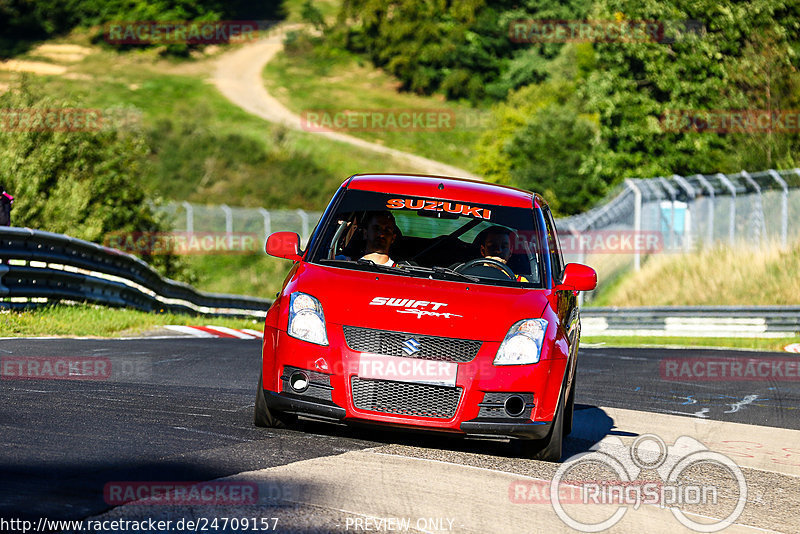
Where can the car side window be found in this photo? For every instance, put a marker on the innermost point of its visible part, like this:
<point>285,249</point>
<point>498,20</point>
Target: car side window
<point>556,260</point>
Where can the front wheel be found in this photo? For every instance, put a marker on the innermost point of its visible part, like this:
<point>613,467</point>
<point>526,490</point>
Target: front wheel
<point>546,449</point>
<point>570,410</point>
<point>549,448</point>
<point>263,416</point>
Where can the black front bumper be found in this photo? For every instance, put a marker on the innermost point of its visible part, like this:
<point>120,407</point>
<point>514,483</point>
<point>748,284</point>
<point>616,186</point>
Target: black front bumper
<point>507,429</point>
<point>493,428</point>
<point>287,404</point>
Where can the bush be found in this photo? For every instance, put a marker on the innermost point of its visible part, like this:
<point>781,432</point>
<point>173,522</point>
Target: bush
<point>85,184</point>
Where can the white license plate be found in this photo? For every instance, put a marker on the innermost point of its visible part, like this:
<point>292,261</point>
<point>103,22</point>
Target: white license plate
<point>378,366</point>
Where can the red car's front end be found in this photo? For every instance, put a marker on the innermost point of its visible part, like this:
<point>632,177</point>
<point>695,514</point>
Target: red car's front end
<point>476,351</point>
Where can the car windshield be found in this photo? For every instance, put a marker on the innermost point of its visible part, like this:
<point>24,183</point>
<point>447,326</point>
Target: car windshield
<point>428,237</point>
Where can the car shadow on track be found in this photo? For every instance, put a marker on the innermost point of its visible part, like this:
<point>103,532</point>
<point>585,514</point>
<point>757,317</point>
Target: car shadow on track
<point>591,424</point>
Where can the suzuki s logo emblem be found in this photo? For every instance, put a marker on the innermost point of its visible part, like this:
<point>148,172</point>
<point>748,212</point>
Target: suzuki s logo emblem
<point>411,346</point>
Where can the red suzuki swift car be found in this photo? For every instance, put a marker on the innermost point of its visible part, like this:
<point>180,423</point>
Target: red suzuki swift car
<point>430,303</point>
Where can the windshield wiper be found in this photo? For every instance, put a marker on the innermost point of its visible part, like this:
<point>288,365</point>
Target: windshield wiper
<point>362,262</point>
<point>451,272</point>
<point>442,271</point>
<point>401,267</point>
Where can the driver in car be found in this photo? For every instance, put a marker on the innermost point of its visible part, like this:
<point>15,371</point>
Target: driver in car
<point>496,245</point>
<point>380,234</point>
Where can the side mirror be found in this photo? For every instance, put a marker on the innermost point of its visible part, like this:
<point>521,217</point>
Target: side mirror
<point>284,245</point>
<point>578,277</point>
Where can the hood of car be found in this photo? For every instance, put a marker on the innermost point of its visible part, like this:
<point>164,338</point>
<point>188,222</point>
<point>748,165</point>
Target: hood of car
<point>385,301</point>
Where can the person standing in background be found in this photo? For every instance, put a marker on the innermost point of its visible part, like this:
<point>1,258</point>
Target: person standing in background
<point>6,201</point>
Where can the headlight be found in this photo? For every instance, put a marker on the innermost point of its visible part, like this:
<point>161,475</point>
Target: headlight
<point>523,343</point>
<point>306,320</point>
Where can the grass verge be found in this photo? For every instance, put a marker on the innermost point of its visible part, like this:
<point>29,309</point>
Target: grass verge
<point>99,321</point>
<point>204,148</point>
<point>762,344</point>
<point>257,275</point>
<point>719,276</point>
<point>311,79</point>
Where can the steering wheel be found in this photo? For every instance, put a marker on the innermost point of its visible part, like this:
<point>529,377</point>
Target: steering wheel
<point>487,261</point>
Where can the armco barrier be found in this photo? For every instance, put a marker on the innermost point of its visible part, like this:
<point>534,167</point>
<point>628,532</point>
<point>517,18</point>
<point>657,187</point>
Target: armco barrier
<point>692,321</point>
<point>44,265</point>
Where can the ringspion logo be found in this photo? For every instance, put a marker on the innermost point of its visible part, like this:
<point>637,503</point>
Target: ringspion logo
<point>723,486</point>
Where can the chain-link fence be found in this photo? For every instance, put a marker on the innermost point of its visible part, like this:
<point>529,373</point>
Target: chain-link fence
<point>685,213</point>
<point>186,217</point>
<point>673,214</point>
<point>681,214</point>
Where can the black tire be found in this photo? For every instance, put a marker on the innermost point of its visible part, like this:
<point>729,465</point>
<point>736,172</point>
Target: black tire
<point>264,417</point>
<point>569,410</point>
<point>549,448</point>
<point>546,449</point>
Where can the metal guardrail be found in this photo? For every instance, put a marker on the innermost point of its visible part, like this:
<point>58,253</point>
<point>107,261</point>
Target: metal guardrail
<point>54,267</point>
<point>692,321</point>
<point>41,265</point>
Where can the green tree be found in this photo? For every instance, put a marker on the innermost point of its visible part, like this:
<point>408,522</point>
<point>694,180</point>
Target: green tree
<point>634,84</point>
<point>543,142</point>
<point>86,184</point>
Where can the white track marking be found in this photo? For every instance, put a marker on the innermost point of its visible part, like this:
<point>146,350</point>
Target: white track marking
<point>737,405</point>
<point>252,332</point>
<point>372,483</point>
<point>231,332</point>
<point>461,498</point>
<point>188,330</point>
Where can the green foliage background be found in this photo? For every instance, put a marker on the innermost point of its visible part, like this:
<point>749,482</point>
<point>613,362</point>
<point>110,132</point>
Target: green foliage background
<point>86,184</point>
<point>22,22</point>
<point>573,119</point>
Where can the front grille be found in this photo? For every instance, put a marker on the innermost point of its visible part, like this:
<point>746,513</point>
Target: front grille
<point>405,398</point>
<point>430,347</point>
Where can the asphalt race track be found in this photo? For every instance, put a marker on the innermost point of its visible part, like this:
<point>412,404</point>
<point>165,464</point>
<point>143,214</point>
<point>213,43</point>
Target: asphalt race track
<point>181,410</point>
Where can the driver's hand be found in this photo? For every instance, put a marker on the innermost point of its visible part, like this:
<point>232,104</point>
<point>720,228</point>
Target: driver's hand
<point>495,258</point>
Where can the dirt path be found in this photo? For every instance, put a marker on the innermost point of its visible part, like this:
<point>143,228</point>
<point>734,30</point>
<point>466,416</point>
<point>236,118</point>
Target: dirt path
<point>238,77</point>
